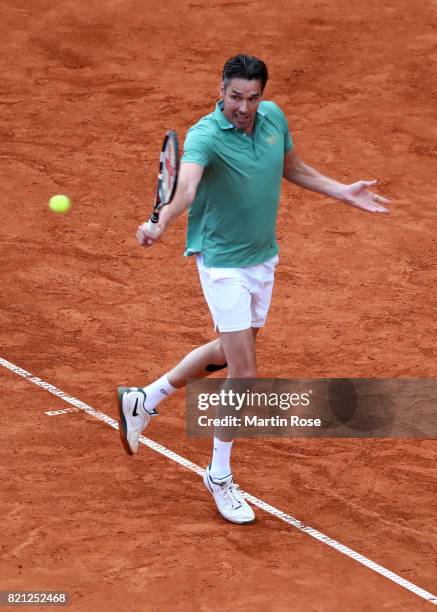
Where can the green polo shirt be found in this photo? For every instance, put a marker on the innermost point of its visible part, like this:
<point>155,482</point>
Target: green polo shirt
<point>232,220</point>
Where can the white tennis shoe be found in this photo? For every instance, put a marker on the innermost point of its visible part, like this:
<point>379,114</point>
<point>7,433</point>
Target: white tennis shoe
<point>134,418</point>
<point>230,502</point>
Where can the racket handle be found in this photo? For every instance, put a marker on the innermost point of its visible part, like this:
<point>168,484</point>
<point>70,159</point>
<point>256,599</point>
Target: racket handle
<point>152,227</point>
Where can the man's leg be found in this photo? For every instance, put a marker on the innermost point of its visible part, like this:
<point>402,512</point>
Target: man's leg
<point>239,350</point>
<point>203,361</point>
<point>137,406</point>
<point>200,362</point>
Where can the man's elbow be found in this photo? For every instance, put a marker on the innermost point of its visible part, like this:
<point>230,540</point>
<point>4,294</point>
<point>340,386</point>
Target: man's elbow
<point>189,191</point>
<point>289,174</point>
<point>190,196</point>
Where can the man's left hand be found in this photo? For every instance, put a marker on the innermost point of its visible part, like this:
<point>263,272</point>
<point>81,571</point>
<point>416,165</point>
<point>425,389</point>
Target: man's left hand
<point>358,194</point>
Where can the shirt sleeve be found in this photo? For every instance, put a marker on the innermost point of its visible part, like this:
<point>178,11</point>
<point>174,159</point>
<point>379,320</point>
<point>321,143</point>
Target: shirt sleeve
<point>288,140</point>
<point>197,147</point>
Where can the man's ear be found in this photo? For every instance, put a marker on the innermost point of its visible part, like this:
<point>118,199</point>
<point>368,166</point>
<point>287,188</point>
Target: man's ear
<point>222,90</point>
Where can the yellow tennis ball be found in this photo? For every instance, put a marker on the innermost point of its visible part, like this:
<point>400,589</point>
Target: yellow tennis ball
<point>59,203</point>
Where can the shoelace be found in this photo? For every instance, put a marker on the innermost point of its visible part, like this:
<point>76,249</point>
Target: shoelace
<point>231,493</point>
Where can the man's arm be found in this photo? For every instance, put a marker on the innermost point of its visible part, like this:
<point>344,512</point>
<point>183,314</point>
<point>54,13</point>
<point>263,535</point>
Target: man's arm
<point>188,181</point>
<point>356,194</point>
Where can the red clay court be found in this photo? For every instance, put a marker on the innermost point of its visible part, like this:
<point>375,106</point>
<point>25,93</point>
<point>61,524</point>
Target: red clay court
<point>87,91</point>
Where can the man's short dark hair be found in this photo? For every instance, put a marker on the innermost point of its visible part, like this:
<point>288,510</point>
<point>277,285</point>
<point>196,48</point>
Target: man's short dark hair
<point>245,67</point>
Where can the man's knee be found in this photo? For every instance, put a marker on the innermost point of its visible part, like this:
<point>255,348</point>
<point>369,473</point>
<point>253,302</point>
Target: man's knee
<point>242,371</point>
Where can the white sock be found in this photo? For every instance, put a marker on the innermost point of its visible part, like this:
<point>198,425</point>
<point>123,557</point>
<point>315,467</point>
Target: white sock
<point>157,391</point>
<point>221,459</point>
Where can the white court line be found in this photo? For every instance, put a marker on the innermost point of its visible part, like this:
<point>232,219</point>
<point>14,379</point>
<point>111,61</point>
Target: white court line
<point>379,569</point>
<point>63,411</point>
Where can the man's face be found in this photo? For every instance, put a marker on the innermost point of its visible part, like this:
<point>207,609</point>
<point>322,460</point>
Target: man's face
<point>241,99</point>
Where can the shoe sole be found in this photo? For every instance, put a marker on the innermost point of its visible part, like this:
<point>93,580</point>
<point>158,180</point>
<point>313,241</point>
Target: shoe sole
<point>122,425</point>
<point>237,522</point>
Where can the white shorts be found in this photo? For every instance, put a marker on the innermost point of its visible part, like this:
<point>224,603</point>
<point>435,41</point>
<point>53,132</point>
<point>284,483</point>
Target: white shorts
<point>238,298</point>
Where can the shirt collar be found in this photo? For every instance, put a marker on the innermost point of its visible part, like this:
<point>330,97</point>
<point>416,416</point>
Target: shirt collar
<point>223,122</point>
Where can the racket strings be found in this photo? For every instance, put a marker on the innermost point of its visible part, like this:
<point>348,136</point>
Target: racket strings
<point>168,174</point>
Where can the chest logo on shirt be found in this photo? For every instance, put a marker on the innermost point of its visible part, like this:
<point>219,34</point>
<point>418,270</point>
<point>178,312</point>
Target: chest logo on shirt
<point>271,140</point>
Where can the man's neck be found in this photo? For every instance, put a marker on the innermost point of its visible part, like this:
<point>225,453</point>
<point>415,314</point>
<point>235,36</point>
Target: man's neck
<point>249,130</point>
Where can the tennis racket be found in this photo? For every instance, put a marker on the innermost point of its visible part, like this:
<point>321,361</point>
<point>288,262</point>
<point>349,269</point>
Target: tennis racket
<point>167,177</point>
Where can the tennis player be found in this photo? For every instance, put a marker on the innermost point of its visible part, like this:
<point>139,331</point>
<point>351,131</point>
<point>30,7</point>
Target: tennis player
<point>230,179</point>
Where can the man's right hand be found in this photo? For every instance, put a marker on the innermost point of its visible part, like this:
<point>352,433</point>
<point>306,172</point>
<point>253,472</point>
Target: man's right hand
<point>144,236</point>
